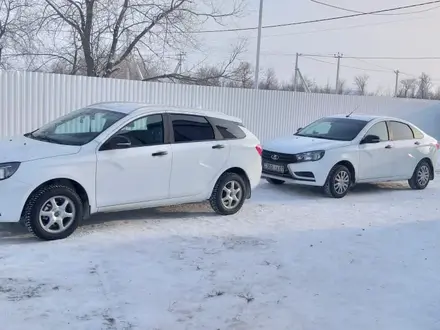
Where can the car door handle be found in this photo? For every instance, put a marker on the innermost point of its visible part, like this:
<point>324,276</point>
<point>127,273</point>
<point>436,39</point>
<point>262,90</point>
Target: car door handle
<point>159,153</point>
<point>388,146</point>
<point>218,146</point>
<point>417,143</point>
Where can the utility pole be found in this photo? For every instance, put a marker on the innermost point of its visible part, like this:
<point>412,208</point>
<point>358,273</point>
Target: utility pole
<point>397,82</point>
<point>338,56</point>
<point>181,58</point>
<point>257,62</point>
<point>295,78</point>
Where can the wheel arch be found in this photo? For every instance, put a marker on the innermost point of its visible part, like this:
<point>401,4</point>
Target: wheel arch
<point>243,174</point>
<point>349,165</point>
<point>431,166</point>
<point>79,188</point>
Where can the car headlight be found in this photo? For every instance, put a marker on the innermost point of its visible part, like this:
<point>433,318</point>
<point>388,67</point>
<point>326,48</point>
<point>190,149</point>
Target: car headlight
<point>8,169</point>
<point>311,156</point>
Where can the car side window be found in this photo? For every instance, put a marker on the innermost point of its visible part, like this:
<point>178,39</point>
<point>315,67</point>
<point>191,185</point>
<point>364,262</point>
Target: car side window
<point>229,130</point>
<point>145,131</point>
<point>191,128</point>
<point>417,133</point>
<point>380,129</point>
<point>400,131</point>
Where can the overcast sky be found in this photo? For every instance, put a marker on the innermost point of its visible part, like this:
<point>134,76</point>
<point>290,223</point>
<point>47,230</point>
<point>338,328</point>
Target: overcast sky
<point>413,35</point>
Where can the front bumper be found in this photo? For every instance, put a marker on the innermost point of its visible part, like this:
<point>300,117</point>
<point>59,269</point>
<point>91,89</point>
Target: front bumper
<point>13,195</point>
<point>307,173</point>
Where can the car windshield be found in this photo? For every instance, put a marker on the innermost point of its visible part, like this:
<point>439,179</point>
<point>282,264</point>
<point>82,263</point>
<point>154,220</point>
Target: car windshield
<point>76,128</point>
<point>339,129</point>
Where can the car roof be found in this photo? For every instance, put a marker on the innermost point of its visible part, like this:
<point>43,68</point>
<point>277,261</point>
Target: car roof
<point>365,117</point>
<point>131,107</point>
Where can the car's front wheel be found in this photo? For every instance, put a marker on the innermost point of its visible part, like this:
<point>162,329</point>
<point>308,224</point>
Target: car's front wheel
<point>228,194</point>
<point>338,182</point>
<point>53,212</point>
<point>421,176</point>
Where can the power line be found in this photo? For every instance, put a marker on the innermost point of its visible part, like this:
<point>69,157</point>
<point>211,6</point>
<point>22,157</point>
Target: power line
<point>396,58</point>
<point>345,66</point>
<point>422,58</point>
<point>343,28</point>
<point>361,12</point>
<point>321,19</point>
<point>374,64</point>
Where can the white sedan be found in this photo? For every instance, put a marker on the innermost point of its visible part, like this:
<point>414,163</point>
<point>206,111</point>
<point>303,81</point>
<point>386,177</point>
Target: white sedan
<point>123,156</point>
<point>338,151</point>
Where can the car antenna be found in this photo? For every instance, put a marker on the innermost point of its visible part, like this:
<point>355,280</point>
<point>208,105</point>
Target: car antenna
<point>352,111</point>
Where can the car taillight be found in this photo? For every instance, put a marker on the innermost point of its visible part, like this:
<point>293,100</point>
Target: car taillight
<point>437,145</point>
<point>259,149</point>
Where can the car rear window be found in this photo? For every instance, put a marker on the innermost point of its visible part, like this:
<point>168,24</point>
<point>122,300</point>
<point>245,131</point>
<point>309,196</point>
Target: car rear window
<point>190,128</point>
<point>228,129</point>
<point>400,131</point>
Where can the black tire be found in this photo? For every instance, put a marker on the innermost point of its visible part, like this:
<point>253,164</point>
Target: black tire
<point>421,176</point>
<point>275,181</point>
<point>330,187</point>
<point>38,200</point>
<point>217,194</point>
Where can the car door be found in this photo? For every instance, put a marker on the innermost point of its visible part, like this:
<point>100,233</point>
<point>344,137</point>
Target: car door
<point>198,158</point>
<point>134,165</point>
<point>406,157</point>
<point>376,160</point>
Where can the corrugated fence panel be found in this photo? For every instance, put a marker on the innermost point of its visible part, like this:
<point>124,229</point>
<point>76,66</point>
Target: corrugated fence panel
<point>29,100</point>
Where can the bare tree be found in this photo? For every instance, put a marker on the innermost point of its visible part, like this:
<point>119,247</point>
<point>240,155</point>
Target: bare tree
<point>13,27</point>
<point>110,32</point>
<point>361,83</point>
<point>424,86</point>
<point>242,76</point>
<point>342,88</point>
<point>436,94</point>
<point>270,80</point>
<point>408,88</point>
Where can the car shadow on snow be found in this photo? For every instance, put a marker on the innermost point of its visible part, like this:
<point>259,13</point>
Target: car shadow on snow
<point>169,212</point>
<point>14,233</point>
<point>305,192</point>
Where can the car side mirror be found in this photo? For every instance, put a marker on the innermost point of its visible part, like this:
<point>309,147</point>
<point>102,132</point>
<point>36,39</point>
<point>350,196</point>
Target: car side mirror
<point>118,142</point>
<point>370,139</point>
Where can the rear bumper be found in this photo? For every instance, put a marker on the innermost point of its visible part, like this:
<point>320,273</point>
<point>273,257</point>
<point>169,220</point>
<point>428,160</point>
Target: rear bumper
<point>13,195</point>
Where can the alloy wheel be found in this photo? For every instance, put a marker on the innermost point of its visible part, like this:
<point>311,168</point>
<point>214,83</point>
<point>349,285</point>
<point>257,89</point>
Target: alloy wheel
<point>57,214</point>
<point>232,193</point>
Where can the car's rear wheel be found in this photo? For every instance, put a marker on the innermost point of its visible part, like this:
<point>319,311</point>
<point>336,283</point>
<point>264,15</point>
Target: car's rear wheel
<point>229,194</point>
<point>338,182</point>
<point>53,212</point>
<point>421,176</point>
<point>275,181</point>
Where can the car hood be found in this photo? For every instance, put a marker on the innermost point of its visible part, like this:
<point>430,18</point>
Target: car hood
<point>22,149</point>
<point>298,144</point>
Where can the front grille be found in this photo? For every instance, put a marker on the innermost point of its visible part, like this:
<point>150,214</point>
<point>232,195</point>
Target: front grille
<point>282,158</point>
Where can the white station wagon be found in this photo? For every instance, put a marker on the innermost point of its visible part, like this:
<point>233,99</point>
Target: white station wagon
<point>338,151</point>
<point>123,156</point>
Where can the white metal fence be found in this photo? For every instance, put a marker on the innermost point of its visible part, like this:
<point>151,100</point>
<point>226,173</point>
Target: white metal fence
<point>28,100</point>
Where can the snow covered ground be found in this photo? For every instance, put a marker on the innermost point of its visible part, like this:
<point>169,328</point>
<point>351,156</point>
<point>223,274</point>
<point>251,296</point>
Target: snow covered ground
<point>290,260</point>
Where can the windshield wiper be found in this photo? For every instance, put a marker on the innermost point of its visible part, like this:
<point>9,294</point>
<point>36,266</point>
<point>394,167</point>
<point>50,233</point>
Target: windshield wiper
<point>42,137</point>
<point>320,137</point>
